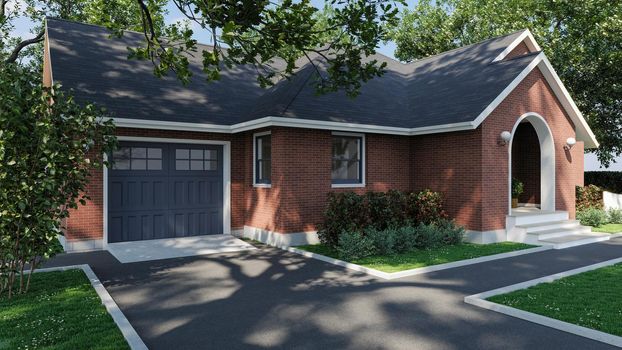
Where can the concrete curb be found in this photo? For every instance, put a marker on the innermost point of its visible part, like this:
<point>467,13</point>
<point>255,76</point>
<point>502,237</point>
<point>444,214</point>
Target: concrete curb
<point>480,301</point>
<point>616,235</point>
<point>417,271</point>
<point>129,333</point>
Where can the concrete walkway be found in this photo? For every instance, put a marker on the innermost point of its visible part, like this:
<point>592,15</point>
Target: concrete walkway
<point>268,298</point>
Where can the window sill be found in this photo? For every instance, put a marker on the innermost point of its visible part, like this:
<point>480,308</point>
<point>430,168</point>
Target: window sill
<point>262,185</point>
<point>347,185</point>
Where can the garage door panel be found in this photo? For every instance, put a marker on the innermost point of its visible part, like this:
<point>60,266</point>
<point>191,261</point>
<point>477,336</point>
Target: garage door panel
<point>157,200</point>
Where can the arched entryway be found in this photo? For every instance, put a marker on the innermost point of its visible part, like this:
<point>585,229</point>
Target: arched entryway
<point>532,161</point>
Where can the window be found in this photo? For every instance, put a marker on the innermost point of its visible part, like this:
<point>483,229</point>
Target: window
<point>196,159</point>
<point>263,154</point>
<point>347,160</point>
<point>137,158</point>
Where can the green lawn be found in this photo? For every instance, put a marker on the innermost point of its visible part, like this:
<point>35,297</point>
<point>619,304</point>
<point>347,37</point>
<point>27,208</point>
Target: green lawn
<point>608,228</point>
<point>61,311</point>
<point>590,299</point>
<point>424,257</point>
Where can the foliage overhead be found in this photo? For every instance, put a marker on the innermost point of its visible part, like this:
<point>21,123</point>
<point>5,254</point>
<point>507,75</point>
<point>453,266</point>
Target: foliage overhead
<point>582,39</point>
<point>48,146</point>
<point>336,42</point>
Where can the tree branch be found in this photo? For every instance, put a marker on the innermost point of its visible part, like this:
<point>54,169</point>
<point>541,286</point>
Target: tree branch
<point>13,57</point>
<point>3,4</point>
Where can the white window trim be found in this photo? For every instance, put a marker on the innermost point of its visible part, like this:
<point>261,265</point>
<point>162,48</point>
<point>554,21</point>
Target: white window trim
<point>255,136</point>
<point>226,177</point>
<point>363,161</point>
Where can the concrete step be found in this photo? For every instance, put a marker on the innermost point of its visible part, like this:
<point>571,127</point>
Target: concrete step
<point>546,226</point>
<point>557,232</point>
<point>573,240</point>
<point>521,219</point>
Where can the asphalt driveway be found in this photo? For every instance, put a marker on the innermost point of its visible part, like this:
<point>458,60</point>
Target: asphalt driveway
<point>269,298</point>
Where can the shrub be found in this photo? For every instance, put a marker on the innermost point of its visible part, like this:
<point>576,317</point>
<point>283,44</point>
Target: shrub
<point>452,233</point>
<point>592,217</point>
<point>607,180</point>
<point>589,197</point>
<point>353,246</point>
<point>615,216</point>
<point>345,212</point>
<point>425,207</point>
<point>394,240</point>
<point>350,212</point>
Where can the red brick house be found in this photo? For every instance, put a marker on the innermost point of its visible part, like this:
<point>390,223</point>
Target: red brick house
<point>229,157</point>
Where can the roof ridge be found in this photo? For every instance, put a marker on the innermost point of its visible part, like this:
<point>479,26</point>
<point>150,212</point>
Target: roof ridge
<point>465,46</point>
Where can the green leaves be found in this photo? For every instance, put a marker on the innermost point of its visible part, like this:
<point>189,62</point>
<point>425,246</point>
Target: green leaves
<point>583,40</point>
<point>45,165</point>
<point>258,33</point>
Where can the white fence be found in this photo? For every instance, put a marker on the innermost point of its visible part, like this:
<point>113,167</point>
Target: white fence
<point>612,200</point>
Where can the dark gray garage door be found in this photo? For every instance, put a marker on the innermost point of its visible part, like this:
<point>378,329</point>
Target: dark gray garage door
<point>164,190</point>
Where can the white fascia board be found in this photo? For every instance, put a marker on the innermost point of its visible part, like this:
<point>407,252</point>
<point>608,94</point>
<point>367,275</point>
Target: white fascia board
<point>318,124</point>
<point>504,94</point>
<point>583,130</point>
<point>49,53</point>
<point>526,37</point>
<point>168,125</point>
<point>289,122</point>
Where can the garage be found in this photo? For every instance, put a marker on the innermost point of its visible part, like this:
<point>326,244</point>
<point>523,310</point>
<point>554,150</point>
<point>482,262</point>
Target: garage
<point>164,190</point>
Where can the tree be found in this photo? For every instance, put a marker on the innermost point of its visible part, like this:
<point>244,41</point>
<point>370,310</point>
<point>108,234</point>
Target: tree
<point>582,39</point>
<point>260,32</point>
<point>49,145</point>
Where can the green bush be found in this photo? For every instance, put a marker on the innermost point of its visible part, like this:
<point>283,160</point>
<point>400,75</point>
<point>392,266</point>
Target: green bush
<point>345,212</point>
<point>589,197</point>
<point>351,212</point>
<point>615,216</point>
<point>592,217</point>
<point>607,180</point>
<point>353,245</point>
<point>356,245</point>
<point>425,207</point>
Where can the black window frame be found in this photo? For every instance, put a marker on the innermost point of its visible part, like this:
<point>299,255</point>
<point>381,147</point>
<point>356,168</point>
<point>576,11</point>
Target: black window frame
<point>360,181</point>
<point>257,181</point>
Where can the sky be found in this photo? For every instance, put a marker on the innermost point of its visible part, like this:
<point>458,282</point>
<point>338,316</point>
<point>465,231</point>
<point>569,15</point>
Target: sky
<point>23,26</point>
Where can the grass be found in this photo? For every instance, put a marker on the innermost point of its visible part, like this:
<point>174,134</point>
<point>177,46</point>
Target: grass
<point>423,257</point>
<point>60,311</point>
<point>608,228</point>
<point>590,299</point>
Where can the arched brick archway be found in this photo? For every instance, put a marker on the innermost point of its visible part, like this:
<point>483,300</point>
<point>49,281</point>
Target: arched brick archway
<point>529,130</point>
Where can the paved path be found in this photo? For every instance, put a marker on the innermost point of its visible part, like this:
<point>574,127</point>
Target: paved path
<point>269,298</point>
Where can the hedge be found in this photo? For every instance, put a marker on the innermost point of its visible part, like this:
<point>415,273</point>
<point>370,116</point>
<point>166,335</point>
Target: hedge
<point>607,180</point>
<point>351,212</point>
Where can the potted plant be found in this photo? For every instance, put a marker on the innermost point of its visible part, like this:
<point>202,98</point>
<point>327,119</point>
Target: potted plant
<point>517,190</point>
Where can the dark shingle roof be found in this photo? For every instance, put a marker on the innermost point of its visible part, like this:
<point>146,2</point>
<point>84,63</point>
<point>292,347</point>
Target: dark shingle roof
<point>455,86</point>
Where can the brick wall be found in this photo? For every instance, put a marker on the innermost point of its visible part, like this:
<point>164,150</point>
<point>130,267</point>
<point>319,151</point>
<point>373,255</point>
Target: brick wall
<point>532,95</point>
<point>526,162</point>
<point>450,163</point>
